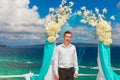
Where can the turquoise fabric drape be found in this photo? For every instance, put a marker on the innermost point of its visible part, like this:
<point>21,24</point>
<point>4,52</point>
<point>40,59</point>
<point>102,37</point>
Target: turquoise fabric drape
<point>105,60</point>
<point>48,53</point>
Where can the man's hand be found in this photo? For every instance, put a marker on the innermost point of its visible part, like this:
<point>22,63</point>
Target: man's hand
<point>56,76</point>
<point>75,75</point>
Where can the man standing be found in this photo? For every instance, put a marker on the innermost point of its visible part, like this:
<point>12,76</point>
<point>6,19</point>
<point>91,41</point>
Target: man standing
<point>65,59</point>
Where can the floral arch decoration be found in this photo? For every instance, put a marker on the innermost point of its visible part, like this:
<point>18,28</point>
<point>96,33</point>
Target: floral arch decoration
<point>57,17</point>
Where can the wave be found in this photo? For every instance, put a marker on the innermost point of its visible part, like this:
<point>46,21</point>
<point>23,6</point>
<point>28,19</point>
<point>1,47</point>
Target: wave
<point>83,66</point>
<point>114,68</point>
<point>29,62</point>
<point>96,67</point>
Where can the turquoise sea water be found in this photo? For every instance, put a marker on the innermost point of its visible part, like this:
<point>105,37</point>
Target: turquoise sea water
<point>22,60</point>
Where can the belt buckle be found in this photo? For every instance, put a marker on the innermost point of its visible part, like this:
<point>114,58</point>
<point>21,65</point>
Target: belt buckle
<point>67,68</point>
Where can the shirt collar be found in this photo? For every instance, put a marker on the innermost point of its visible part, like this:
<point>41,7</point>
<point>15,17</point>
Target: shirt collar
<point>65,46</point>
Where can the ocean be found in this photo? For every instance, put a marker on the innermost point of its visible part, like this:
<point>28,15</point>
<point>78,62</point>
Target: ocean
<point>22,60</point>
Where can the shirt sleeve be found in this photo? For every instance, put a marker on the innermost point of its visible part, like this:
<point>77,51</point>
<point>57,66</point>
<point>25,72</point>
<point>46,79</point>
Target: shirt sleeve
<point>55,66</point>
<point>75,62</point>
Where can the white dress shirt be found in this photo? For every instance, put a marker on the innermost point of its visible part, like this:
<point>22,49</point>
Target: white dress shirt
<point>65,57</point>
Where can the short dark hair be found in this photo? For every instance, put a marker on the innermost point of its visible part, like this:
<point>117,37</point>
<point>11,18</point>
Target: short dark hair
<point>67,32</point>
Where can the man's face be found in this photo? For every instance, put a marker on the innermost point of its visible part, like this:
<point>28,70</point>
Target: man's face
<point>67,37</point>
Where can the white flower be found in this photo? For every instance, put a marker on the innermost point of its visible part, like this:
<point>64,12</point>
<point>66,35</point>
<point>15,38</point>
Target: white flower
<point>35,8</point>
<point>108,28</point>
<point>93,17</point>
<point>63,2</point>
<point>100,38</point>
<point>97,10</point>
<point>51,39</point>
<point>83,21</point>
<point>104,10</point>
<point>86,13</point>
<point>48,18</point>
<point>60,10</point>
<point>79,12</point>
<point>112,18</point>
<point>102,16</point>
<point>100,32</point>
<point>103,27</point>
<point>51,9</point>
<point>55,20</point>
<point>108,34</point>
<point>70,10</point>
<point>92,22</point>
<point>83,8</point>
<point>61,22</point>
<point>60,5</point>
<point>107,42</point>
<point>71,4</point>
<point>50,33</point>
<point>56,35</point>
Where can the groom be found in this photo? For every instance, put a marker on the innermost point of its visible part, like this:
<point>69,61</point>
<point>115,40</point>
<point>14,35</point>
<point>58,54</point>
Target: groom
<point>65,59</point>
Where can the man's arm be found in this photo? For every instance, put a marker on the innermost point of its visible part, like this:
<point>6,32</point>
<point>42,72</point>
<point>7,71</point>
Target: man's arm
<point>56,63</point>
<point>75,64</point>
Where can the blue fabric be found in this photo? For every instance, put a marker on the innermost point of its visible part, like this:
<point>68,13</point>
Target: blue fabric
<point>105,60</point>
<point>48,53</point>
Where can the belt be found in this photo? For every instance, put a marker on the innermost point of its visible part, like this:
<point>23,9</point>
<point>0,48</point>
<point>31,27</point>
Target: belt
<point>71,68</point>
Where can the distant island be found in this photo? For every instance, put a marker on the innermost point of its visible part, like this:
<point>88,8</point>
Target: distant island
<point>76,44</point>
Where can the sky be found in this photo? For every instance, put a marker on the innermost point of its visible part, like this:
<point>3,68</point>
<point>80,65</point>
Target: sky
<point>21,21</point>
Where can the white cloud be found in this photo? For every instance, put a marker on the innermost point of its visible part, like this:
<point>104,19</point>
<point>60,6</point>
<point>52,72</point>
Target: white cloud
<point>84,34</point>
<point>118,5</point>
<point>116,31</point>
<point>88,34</point>
<point>18,21</point>
<point>81,34</point>
<point>116,34</point>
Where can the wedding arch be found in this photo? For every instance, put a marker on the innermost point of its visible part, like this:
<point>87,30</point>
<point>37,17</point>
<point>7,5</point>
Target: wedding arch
<point>59,16</point>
